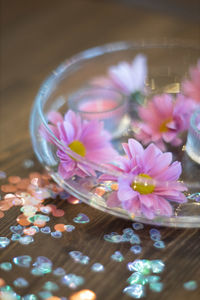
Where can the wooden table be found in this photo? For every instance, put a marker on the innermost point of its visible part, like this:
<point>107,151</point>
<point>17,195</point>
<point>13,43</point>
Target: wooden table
<point>36,37</point>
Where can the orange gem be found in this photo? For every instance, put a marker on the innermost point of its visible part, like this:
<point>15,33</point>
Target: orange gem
<point>8,188</point>
<point>59,227</point>
<point>83,295</point>
<point>14,179</point>
<point>2,282</point>
<point>23,184</point>
<point>114,186</point>
<point>22,220</point>
<point>73,200</point>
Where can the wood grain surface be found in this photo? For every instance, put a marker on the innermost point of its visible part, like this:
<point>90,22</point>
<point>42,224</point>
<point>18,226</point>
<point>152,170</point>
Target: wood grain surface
<point>35,37</point>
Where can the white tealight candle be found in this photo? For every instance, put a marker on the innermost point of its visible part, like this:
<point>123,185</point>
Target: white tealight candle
<point>193,139</point>
<point>105,105</point>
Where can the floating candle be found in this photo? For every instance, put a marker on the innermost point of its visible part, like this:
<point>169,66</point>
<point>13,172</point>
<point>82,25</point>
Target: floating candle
<point>105,105</point>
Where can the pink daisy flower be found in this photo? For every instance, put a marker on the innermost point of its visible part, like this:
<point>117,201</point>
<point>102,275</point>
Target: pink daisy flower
<point>163,119</point>
<point>191,88</point>
<point>149,183</point>
<point>128,78</point>
<point>88,139</point>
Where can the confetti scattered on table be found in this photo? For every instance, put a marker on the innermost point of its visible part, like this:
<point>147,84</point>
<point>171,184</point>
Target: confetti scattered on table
<point>28,196</point>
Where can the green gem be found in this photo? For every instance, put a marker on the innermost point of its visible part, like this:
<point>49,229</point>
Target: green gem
<point>152,279</point>
<point>156,286</point>
<point>137,278</point>
<point>50,286</point>
<point>6,266</point>
<point>190,285</point>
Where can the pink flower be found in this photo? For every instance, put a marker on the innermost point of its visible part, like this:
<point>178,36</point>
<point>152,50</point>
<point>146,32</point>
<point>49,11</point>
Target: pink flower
<point>128,78</point>
<point>149,183</point>
<point>88,139</point>
<point>191,88</point>
<point>163,119</point>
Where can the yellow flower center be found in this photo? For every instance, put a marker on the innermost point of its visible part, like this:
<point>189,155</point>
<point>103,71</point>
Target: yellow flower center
<point>77,147</point>
<point>143,187</point>
<point>163,126</point>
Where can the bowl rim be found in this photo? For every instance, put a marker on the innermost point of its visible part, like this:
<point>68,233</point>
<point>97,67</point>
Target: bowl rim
<point>55,76</point>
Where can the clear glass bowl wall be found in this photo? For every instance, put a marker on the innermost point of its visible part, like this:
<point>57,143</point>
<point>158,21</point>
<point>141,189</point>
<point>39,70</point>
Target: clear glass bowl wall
<point>168,64</point>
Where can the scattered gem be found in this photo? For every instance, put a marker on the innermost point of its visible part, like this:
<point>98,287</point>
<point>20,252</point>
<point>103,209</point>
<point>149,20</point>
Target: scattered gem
<point>73,200</point>
<point>156,286</point>
<point>59,272</point>
<point>45,295</point>
<point>58,213</point>
<point>79,257</point>
<point>17,229</point>
<point>140,265</point>
<point>46,230</point>
<point>136,291</point>
<point>136,249</point>
<point>157,266</point>
<point>56,234</point>
<point>6,266</point>
<point>113,238</point>
<point>26,240</point>
<point>30,231</point>
<point>137,226</point>
<point>50,286</point>
<point>155,237</point>
<point>159,244</point>
<point>69,228</point>
<point>22,261</point>
<point>42,265</point>
<point>135,239</point>
<point>190,285</point>
<point>30,297</point>
<point>83,295</point>
<point>20,282</point>
<point>153,278</point>
<point>22,220</point>
<point>97,267</point>
<point>117,256</point>
<point>81,218</point>
<point>14,179</point>
<point>4,242</point>
<point>72,281</point>
<point>59,227</point>
<point>154,231</point>
<point>37,272</point>
<point>138,278</point>
<point>15,237</point>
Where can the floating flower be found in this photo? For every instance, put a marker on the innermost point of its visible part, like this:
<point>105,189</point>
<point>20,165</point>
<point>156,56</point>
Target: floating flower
<point>150,181</point>
<point>191,88</point>
<point>163,119</point>
<point>128,78</point>
<point>88,139</point>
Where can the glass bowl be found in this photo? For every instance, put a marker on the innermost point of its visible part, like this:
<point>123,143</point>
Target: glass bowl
<point>72,81</point>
